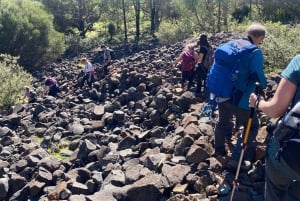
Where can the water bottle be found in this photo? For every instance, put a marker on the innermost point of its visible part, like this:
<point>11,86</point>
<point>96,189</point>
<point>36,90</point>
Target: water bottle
<point>290,124</point>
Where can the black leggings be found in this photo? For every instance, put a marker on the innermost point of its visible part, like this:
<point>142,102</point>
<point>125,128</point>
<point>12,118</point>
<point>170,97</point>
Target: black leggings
<point>187,75</point>
<point>201,74</point>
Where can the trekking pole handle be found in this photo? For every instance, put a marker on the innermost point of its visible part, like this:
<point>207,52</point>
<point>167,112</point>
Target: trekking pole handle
<point>257,93</point>
<point>249,123</point>
<point>257,88</point>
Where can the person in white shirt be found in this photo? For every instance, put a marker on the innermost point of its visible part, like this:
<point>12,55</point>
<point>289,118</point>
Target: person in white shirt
<point>88,73</point>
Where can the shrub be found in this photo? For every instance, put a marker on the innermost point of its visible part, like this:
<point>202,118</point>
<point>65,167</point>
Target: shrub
<point>12,80</point>
<point>76,44</point>
<point>280,46</point>
<point>27,31</point>
<point>169,33</point>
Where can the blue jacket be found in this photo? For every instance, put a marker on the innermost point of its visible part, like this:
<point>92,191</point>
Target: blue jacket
<point>250,71</point>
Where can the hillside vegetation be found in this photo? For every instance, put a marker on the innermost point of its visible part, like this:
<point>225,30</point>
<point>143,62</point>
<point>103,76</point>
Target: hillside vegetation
<point>41,31</point>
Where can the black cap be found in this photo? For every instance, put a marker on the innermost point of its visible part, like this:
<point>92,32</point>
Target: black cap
<point>103,46</point>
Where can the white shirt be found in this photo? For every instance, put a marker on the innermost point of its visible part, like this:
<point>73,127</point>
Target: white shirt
<point>88,67</point>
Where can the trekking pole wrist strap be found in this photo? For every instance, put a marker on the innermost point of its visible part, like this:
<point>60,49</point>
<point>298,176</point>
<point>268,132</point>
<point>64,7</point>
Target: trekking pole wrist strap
<point>257,101</point>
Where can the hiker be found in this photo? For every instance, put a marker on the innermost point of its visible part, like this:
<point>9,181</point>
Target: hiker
<point>250,72</point>
<point>51,87</point>
<point>30,94</point>
<point>107,58</point>
<point>202,67</point>
<point>88,73</point>
<point>188,59</point>
<point>282,182</point>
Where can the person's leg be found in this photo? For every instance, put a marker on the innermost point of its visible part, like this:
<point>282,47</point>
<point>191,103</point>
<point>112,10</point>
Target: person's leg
<point>190,79</point>
<point>105,70</point>
<point>242,117</point>
<point>91,81</point>
<point>223,127</point>
<point>199,78</point>
<point>51,91</point>
<point>274,192</point>
<point>280,185</point>
<point>183,78</point>
<point>84,78</point>
<point>294,191</point>
<point>276,182</point>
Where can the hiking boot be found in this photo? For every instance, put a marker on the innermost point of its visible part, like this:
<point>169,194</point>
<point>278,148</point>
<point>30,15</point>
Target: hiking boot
<point>233,164</point>
<point>224,189</point>
<point>219,154</point>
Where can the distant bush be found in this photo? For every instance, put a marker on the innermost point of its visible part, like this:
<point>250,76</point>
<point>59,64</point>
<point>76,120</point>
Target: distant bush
<point>76,44</point>
<point>280,46</point>
<point>170,33</point>
<point>27,31</point>
<point>12,80</point>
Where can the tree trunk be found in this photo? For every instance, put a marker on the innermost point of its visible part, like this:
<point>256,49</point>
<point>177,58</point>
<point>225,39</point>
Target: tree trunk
<point>125,22</point>
<point>137,8</point>
<point>81,11</point>
<point>153,13</point>
<point>219,17</point>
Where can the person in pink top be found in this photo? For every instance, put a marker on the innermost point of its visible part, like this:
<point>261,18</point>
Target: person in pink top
<point>188,59</point>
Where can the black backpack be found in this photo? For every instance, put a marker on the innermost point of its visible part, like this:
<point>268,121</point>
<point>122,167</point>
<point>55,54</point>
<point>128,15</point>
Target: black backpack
<point>287,132</point>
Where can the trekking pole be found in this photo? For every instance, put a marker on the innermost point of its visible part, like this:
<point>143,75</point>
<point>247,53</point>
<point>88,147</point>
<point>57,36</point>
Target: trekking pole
<point>244,145</point>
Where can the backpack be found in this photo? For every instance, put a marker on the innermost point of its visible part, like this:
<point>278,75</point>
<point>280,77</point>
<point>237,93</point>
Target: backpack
<point>188,61</point>
<point>224,72</point>
<point>287,133</point>
<point>209,57</point>
<point>33,94</point>
<point>112,53</point>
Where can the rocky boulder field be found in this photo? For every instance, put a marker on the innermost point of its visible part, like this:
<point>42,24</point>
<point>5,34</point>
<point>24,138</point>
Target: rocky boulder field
<point>135,136</point>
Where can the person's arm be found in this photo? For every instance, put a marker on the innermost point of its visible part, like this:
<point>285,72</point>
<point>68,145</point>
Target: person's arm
<point>200,60</point>
<point>178,59</point>
<point>91,72</point>
<point>257,68</point>
<point>196,57</point>
<point>201,54</point>
<point>279,104</point>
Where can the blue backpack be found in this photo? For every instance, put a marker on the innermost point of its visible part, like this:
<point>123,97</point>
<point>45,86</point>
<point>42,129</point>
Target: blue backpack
<point>225,70</point>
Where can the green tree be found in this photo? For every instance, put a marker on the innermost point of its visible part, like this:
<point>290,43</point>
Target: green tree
<point>26,30</point>
<point>75,16</point>
<point>286,11</point>
<point>12,80</point>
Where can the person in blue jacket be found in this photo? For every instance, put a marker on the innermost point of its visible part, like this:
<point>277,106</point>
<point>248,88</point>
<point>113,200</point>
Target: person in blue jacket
<point>282,180</point>
<point>250,73</point>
